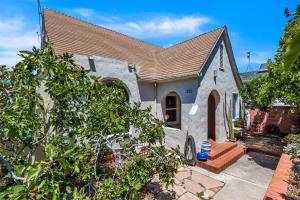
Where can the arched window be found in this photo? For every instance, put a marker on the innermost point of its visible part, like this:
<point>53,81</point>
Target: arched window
<point>172,114</point>
<point>221,55</point>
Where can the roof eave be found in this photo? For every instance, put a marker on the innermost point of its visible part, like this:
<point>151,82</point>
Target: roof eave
<point>168,78</point>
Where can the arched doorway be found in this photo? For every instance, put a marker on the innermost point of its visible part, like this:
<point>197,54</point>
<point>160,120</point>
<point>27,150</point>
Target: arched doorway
<point>123,98</point>
<point>213,101</point>
<point>117,84</point>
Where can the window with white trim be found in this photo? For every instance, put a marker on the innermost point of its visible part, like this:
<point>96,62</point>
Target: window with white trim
<point>172,113</point>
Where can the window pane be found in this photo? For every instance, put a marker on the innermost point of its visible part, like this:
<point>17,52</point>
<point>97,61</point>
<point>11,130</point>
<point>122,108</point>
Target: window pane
<point>171,102</point>
<point>235,107</point>
<point>171,115</point>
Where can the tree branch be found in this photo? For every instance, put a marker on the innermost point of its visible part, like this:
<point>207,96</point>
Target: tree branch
<point>16,178</point>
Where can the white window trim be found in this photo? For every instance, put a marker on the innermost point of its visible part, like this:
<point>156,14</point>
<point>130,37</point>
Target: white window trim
<point>178,111</point>
<point>236,106</point>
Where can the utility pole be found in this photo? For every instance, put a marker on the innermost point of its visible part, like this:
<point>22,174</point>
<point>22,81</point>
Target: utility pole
<point>39,33</point>
<point>249,59</point>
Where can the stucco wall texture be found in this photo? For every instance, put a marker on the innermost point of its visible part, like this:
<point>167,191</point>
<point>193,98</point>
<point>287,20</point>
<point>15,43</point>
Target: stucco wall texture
<point>153,94</point>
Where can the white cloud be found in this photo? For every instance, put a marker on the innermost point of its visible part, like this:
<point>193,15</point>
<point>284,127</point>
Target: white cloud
<point>19,41</point>
<point>15,35</point>
<point>164,26</point>
<point>10,25</point>
<point>9,58</point>
<point>83,12</point>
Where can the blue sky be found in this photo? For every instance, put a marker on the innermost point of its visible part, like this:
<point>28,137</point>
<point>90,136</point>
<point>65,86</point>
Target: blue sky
<point>254,26</point>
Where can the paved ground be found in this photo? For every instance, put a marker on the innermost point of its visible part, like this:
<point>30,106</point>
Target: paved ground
<point>268,141</point>
<point>189,185</point>
<point>247,179</point>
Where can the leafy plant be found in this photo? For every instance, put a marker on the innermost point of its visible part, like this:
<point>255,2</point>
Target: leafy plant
<point>282,82</point>
<point>228,117</point>
<point>291,138</point>
<point>57,129</point>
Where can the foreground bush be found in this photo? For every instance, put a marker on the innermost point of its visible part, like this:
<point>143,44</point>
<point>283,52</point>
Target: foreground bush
<point>58,148</point>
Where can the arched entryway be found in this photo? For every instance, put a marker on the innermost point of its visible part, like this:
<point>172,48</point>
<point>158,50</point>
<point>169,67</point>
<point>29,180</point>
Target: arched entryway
<point>118,84</point>
<point>213,101</point>
<point>123,94</point>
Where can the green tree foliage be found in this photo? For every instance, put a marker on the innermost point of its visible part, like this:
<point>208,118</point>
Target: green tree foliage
<point>283,80</point>
<point>57,127</point>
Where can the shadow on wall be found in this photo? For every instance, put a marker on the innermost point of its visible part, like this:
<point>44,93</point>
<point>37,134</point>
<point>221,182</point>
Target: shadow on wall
<point>280,117</point>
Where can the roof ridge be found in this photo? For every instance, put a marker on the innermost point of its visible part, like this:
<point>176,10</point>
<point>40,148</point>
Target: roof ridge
<point>200,35</point>
<point>98,26</point>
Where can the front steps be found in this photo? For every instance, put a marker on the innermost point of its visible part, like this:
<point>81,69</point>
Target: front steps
<point>222,156</point>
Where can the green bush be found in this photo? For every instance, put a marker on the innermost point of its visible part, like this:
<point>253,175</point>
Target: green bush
<point>291,138</point>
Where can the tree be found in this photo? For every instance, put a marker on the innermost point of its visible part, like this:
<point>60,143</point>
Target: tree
<point>57,127</point>
<point>282,82</point>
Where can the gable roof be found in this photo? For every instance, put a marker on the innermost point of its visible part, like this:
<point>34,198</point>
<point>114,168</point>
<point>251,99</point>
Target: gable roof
<point>68,34</point>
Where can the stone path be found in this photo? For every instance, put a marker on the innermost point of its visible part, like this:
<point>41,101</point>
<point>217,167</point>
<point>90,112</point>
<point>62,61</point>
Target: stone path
<point>189,185</point>
<point>247,179</point>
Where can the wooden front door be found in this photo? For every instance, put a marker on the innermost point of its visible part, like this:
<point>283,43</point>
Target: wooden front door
<point>211,117</point>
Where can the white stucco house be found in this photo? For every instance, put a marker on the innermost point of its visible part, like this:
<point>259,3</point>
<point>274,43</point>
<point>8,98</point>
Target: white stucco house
<point>184,84</point>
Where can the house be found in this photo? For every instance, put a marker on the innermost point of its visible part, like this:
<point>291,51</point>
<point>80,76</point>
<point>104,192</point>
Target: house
<point>247,76</point>
<point>184,84</point>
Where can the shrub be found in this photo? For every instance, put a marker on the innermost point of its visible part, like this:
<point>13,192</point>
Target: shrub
<point>74,132</point>
<point>291,138</point>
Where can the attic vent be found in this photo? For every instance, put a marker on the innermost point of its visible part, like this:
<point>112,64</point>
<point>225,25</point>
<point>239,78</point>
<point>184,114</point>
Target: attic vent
<point>221,56</point>
<point>92,64</point>
<point>189,91</point>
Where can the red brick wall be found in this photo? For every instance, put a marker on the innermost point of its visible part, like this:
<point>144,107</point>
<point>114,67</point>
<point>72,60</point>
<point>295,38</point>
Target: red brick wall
<point>279,116</point>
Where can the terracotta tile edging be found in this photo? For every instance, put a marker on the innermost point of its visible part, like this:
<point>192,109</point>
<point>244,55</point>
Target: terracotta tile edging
<point>278,186</point>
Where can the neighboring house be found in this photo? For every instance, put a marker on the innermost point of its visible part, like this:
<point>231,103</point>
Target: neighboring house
<point>247,76</point>
<point>184,84</point>
<point>278,119</point>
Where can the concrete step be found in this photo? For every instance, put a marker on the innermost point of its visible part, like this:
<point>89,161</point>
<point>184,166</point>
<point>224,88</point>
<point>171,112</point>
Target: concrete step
<point>219,149</point>
<point>224,161</point>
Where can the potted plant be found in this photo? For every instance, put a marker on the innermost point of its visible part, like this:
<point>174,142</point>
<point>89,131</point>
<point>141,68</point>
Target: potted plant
<point>239,122</point>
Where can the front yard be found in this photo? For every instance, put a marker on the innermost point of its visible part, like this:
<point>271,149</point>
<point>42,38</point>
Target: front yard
<point>248,178</point>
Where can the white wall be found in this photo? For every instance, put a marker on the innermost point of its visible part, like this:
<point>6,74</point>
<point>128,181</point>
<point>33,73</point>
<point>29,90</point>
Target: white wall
<point>147,92</point>
<point>176,137</point>
<point>108,68</point>
<point>196,125</point>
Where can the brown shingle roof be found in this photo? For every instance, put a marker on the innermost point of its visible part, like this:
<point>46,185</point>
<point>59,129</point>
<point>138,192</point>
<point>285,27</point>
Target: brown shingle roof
<point>67,34</point>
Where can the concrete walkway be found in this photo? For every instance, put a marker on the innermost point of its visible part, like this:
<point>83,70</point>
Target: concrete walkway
<point>247,179</point>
